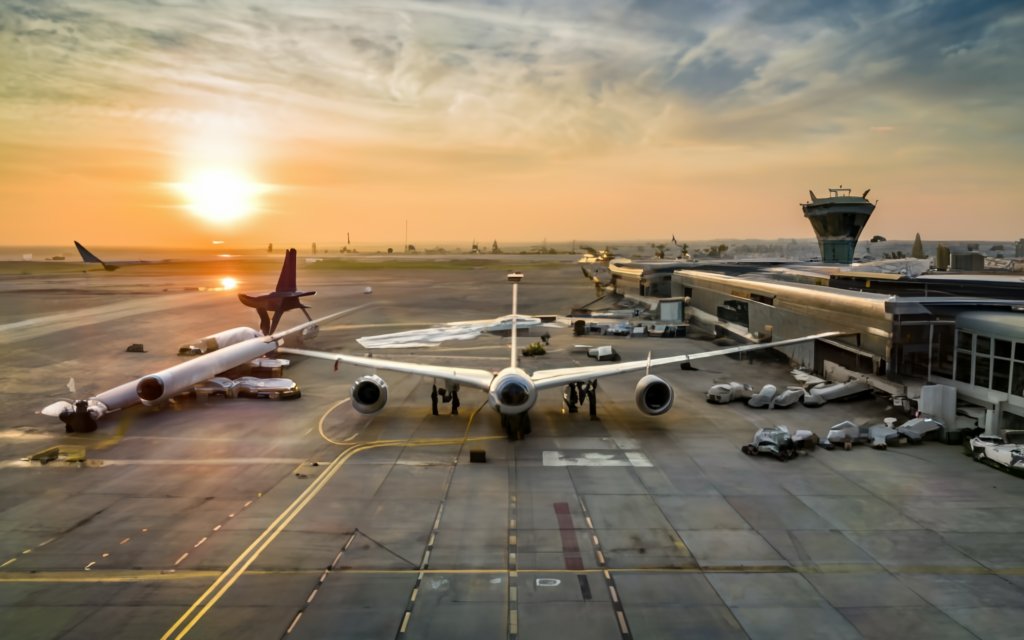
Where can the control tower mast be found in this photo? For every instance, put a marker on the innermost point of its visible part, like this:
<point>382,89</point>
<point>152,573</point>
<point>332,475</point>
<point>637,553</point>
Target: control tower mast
<point>838,221</point>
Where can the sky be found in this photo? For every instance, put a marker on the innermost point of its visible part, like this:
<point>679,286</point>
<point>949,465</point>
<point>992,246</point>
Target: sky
<point>176,123</point>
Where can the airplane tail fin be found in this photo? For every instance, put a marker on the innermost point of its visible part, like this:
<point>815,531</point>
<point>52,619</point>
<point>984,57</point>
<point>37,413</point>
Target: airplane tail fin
<point>90,257</point>
<point>284,298</point>
<point>514,278</point>
<point>287,281</point>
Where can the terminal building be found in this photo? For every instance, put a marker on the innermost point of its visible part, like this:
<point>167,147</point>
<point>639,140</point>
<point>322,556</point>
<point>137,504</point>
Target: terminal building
<point>964,332</point>
<point>901,343</point>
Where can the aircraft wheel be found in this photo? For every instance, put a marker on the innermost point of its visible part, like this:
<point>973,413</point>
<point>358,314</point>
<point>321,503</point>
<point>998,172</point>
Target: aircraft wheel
<point>518,432</point>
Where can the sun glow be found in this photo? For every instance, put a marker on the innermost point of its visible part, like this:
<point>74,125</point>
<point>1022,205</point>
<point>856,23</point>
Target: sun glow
<point>228,283</point>
<point>220,195</point>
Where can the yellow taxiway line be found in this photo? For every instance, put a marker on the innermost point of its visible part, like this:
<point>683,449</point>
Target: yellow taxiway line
<point>220,586</point>
<point>320,424</point>
<point>112,576</point>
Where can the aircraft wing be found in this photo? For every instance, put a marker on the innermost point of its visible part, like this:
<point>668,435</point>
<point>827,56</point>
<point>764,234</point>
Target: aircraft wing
<point>473,378</point>
<point>280,335</point>
<point>547,378</point>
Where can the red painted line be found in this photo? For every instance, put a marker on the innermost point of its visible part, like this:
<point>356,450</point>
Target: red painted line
<point>570,546</point>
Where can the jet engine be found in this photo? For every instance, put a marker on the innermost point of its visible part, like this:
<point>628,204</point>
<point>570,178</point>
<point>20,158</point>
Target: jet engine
<point>654,396</point>
<point>369,394</point>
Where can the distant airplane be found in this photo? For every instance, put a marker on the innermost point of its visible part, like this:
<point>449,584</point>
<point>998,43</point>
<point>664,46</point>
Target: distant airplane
<point>90,258</point>
<point>234,347</point>
<point>512,392</point>
<point>284,298</point>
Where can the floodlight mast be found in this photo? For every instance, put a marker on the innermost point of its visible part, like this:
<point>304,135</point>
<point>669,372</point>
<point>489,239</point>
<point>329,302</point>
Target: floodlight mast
<point>514,278</point>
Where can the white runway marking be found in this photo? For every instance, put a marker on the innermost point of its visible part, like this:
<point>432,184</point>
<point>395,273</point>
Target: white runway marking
<point>44,325</point>
<point>595,459</point>
<point>638,459</point>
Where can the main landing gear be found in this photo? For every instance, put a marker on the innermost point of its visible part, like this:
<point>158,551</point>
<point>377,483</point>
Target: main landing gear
<point>517,425</point>
<point>576,393</point>
<point>445,396</point>
<point>78,420</point>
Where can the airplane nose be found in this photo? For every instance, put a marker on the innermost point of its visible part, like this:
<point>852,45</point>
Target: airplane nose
<point>513,394</point>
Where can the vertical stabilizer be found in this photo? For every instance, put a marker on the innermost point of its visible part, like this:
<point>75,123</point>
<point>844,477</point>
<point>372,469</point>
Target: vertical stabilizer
<point>284,298</point>
<point>87,256</point>
<point>287,281</point>
<point>514,278</point>
<point>90,258</point>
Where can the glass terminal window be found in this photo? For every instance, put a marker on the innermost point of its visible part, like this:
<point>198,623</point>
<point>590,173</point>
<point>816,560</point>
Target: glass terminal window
<point>1017,381</point>
<point>964,355</point>
<point>991,363</point>
<point>942,350</point>
<point>983,345</point>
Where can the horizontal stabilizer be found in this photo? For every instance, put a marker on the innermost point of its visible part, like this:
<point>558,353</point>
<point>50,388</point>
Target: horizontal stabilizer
<point>284,298</point>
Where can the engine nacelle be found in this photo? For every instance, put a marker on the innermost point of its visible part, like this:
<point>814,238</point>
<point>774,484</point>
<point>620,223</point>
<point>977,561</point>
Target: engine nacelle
<point>654,396</point>
<point>369,394</point>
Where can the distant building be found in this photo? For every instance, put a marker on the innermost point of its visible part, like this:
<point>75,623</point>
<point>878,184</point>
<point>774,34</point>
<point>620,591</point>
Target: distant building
<point>970,261</point>
<point>942,257</point>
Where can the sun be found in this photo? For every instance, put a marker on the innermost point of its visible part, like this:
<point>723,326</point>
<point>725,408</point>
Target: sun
<point>220,195</point>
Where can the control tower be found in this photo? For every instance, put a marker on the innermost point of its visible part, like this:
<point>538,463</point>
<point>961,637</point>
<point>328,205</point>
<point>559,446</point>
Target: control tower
<point>838,221</point>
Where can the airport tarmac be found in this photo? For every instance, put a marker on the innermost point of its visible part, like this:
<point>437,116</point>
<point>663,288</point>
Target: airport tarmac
<point>305,519</point>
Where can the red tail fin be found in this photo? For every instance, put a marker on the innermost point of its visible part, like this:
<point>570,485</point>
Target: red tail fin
<point>287,280</point>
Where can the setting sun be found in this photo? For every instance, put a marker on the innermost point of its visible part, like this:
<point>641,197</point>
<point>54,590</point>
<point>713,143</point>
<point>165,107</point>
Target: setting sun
<point>220,195</point>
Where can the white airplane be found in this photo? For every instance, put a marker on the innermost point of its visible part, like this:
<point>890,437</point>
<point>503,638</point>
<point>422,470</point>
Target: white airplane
<point>512,391</point>
<point>226,350</point>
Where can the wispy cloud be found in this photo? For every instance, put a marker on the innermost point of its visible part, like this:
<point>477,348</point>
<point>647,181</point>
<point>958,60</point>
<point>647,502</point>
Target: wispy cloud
<point>570,76</point>
<point>509,86</point>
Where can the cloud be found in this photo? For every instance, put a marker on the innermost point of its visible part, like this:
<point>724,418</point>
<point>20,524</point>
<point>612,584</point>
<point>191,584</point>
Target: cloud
<point>562,76</point>
<point>401,89</point>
